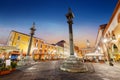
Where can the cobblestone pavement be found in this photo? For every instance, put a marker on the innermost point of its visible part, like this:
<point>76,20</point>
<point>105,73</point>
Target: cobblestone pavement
<point>50,71</point>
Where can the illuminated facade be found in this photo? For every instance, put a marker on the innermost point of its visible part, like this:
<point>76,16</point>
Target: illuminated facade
<point>66,49</point>
<point>40,50</point>
<point>99,41</point>
<point>112,35</point>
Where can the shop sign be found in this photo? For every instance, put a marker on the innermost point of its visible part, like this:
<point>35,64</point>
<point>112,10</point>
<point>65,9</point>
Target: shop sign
<point>8,62</point>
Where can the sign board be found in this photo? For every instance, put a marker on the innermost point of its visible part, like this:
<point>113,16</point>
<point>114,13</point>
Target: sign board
<point>8,62</point>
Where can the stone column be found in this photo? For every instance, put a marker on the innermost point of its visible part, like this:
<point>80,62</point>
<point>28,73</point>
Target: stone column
<point>30,41</point>
<point>70,22</point>
<point>72,63</point>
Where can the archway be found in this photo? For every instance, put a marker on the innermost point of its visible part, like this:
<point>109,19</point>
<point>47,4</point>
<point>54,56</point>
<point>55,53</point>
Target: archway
<point>116,54</point>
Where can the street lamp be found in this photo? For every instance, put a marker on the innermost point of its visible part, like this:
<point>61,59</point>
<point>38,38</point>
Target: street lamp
<point>106,41</point>
<point>99,48</point>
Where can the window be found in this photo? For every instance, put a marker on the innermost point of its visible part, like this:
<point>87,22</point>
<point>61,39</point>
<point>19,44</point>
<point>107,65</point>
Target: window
<point>119,18</point>
<point>41,46</point>
<point>113,35</point>
<point>36,43</point>
<point>18,37</point>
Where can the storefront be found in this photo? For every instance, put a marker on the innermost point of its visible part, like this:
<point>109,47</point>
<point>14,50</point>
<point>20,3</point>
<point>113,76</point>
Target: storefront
<point>7,52</point>
<point>14,55</point>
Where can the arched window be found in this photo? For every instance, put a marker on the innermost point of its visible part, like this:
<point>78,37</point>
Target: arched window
<point>109,34</point>
<point>113,35</point>
<point>115,48</point>
<point>36,43</point>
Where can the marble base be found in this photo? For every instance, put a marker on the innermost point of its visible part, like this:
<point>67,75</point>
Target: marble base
<point>73,64</point>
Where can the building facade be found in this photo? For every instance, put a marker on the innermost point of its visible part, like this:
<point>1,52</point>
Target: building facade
<point>109,39</point>
<point>99,41</point>
<point>40,50</point>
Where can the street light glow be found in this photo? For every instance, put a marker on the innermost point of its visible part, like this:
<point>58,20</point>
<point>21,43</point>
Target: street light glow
<point>99,48</point>
<point>105,40</point>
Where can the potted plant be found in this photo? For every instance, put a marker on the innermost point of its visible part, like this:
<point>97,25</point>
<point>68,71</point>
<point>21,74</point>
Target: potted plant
<point>4,70</point>
<point>13,65</point>
<point>1,62</point>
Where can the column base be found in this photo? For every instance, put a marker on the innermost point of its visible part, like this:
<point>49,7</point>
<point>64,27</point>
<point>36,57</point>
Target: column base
<point>29,60</point>
<point>73,64</point>
<point>21,63</point>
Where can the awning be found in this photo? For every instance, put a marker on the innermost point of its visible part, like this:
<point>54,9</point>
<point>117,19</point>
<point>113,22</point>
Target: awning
<point>14,56</point>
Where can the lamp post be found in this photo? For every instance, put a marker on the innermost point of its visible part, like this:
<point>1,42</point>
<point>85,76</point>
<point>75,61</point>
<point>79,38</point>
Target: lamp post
<point>30,42</point>
<point>106,41</point>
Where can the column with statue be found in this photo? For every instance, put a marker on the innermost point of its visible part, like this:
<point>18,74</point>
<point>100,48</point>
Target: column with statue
<point>72,64</point>
<point>30,43</point>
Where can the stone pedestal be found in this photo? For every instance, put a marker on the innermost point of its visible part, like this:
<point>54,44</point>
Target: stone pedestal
<point>73,64</point>
<point>21,63</point>
<point>29,60</point>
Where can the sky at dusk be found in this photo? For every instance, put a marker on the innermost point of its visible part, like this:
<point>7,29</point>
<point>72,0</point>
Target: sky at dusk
<point>50,21</point>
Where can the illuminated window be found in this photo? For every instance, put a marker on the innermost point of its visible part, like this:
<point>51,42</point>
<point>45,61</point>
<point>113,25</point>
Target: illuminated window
<point>40,51</point>
<point>45,51</point>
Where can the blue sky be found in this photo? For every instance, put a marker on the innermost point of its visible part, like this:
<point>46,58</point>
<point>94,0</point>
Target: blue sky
<point>49,16</point>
